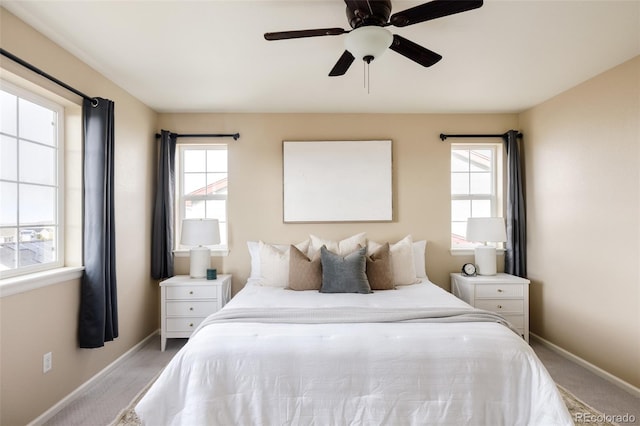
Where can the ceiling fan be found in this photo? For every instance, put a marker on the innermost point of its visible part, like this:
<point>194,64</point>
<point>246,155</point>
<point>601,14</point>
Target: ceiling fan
<point>368,38</point>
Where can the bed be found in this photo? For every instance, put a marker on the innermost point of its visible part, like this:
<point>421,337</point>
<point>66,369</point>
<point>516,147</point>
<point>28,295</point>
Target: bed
<point>411,355</point>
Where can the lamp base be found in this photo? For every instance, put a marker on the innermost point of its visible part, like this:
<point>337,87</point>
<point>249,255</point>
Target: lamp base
<point>486,260</point>
<point>200,261</point>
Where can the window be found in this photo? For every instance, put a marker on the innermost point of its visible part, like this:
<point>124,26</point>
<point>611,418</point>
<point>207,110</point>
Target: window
<point>476,187</point>
<point>202,185</point>
<point>31,187</point>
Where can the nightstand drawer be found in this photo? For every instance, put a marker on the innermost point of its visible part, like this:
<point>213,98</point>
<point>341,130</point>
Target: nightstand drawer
<point>500,306</point>
<point>183,324</point>
<point>499,290</point>
<point>191,308</point>
<point>516,321</point>
<point>192,292</point>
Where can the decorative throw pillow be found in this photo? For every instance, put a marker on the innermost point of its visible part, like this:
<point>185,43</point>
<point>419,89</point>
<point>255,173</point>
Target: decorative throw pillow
<point>419,249</point>
<point>344,274</point>
<point>380,269</point>
<point>254,253</point>
<point>304,273</point>
<point>343,247</point>
<point>404,268</point>
<point>274,263</point>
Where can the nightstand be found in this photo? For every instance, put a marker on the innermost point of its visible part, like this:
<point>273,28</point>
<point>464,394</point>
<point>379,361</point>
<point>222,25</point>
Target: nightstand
<point>186,302</point>
<point>505,294</point>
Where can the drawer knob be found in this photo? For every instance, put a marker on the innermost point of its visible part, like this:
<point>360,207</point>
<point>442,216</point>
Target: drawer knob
<point>499,306</point>
<point>499,290</point>
<point>190,324</point>
<point>191,292</point>
<point>191,308</point>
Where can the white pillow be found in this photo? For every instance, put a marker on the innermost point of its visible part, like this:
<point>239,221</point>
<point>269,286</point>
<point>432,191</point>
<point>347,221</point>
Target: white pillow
<point>254,252</point>
<point>274,265</point>
<point>343,247</point>
<point>419,249</point>
<point>402,259</point>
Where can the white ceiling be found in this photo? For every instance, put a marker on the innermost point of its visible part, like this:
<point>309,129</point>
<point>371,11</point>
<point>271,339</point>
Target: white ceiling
<point>210,56</point>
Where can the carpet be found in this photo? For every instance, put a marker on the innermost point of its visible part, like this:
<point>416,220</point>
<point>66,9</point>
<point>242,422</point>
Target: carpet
<point>128,416</point>
<point>581,412</point>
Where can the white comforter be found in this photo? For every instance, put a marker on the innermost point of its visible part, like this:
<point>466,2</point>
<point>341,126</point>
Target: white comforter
<point>398,373</point>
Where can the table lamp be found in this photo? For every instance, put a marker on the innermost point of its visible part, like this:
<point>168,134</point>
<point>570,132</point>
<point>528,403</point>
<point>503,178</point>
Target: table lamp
<point>199,233</point>
<point>484,230</point>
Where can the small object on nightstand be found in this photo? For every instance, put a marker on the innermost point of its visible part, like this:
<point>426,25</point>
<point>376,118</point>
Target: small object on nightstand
<point>469,270</point>
<point>186,302</point>
<point>212,274</point>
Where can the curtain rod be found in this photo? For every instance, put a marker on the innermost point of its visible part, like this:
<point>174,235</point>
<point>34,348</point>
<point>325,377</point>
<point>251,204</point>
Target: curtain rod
<point>47,76</point>
<point>235,136</point>
<point>443,136</point>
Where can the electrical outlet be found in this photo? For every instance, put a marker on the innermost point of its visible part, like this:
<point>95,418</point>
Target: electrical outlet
<point>47,362</point>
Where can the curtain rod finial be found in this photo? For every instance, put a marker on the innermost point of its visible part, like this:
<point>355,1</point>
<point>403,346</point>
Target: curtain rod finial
<point>443,137</point>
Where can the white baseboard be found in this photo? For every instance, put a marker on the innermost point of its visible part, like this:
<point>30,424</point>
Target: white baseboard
<point>586,364</point>
<point>44,417</point>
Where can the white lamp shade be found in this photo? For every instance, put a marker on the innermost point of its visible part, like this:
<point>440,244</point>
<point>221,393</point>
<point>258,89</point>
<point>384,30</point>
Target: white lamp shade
<point>368,41</point>
<point>200,232</point>
<point>486,229</point>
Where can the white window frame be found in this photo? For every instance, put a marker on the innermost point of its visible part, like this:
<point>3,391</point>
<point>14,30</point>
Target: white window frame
<point>496,196</point>
<point>221,249</point>
<point>60,188</point>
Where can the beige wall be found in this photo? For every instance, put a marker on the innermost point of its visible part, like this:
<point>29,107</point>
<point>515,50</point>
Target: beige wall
<point>583,192</point>
<point>45,320</point>
<point>421,164</point>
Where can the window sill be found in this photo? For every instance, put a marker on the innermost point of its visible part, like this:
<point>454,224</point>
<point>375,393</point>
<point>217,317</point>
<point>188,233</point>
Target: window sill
<point>24,283</point>
<point>471,252</point>
<point>215,252</point>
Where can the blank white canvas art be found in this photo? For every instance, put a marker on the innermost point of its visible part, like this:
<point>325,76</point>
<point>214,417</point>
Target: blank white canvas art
<point>337,181</point>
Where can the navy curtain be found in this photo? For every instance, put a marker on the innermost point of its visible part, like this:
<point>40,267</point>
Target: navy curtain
<point>515,261</point>
<point>98,322</point>
<point>162,233</point>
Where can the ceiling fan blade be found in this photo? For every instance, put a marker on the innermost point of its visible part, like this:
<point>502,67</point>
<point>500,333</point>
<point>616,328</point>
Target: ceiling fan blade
<point>342,65</point>
<point>284,35</point>
<point>415,52</point>
<point>432,10</point>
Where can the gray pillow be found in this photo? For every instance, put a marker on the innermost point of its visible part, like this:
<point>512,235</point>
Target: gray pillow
<point>344,274</point>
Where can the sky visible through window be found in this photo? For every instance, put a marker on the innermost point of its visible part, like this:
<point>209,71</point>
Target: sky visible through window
<point>472,189</point>
<point>28,183</point>
<point>204,186</point>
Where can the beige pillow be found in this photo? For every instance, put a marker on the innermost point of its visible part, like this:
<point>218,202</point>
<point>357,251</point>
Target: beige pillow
<point>380,269</point>
<point>274,263</point>
<point>304,273</point>
<point>342,248</point>
<point>404,268</point>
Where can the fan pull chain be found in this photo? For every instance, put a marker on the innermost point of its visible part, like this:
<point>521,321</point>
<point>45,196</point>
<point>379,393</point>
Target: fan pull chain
<point>366,76</point>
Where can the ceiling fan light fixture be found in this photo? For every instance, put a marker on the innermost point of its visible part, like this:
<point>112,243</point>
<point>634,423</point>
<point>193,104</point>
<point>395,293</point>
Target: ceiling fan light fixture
<point>368,42</point>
